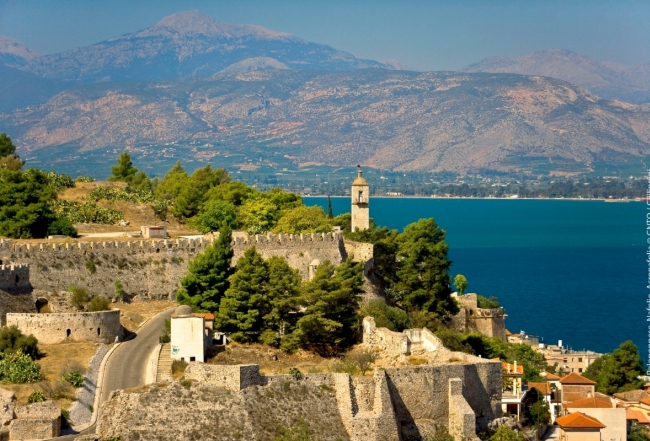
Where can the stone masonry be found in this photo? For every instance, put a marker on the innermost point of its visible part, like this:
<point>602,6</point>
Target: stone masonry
<point>97,327</point>
<point>471,318</point>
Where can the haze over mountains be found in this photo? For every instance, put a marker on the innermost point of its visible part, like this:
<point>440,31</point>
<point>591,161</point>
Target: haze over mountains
<point>191,77</point>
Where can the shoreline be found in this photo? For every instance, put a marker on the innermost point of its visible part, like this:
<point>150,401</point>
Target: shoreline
<point>478,198</point>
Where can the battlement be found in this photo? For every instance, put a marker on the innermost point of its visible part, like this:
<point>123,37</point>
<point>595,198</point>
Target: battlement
<point>286,238</point>
<point>144,245</point>
<point>14,276</point>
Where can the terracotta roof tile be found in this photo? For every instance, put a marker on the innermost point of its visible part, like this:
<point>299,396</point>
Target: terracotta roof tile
<point>637,415</point>
<point>544,387</point>
<point>579,420</point>
<point>592,403</point>
<point>509,368</point>
<point>645,401</point>
<point>205,315</point>
<point>574,378</point>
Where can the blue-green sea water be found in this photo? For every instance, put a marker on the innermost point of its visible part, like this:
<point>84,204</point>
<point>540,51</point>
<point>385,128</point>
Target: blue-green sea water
<point>564,270</point>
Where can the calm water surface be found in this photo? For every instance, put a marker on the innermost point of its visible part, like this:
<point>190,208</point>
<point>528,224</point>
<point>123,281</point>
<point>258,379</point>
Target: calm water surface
<point>569,270</point>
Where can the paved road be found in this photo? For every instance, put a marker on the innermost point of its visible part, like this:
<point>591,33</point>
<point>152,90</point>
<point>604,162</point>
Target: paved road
<point>127,365</point>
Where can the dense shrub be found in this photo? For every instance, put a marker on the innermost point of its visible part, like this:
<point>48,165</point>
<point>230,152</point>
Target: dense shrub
<point>19,368</point>
<point>88,212</point>
<point>91,267</point>
<point>76,379</point>
<point>63,226</point>
<point>84,179</point>
<point>80,297</point>
<point>488,303</point>
<point>36,397</point>
<point>12,340</point>
<point>121,194</point>
<point>99,303</point>
<point>58,182</point>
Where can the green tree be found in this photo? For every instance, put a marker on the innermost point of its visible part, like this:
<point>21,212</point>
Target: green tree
<point>171,185</point>
<point>187,203</point>
<point>124,171</point>
<point>422,278</point>
<point>258,215</point>
<point>618,371</point>
<point>207,277</point>
<point>245,302</point>
<point>283,293</point>
<point>62,226</point>
<point>638,432</point>
<point>24,203</point>
<point>12,340</point>
<point>461,283</point>
<point>385,316</point>
<point>504,433</point>
<point>330,213</point>
<point>11,162</point>
<point>214,215</point>
<point>386,246</point>
<point>303,220</point>
<point>6,146</point>
<point>331,299</point>
<point>140,182</point>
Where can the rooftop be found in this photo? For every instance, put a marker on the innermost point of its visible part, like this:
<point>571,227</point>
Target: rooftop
<point>574,378</point>
<point>543,387</point>
<point>579,420</point>
<point>597,402</point>
<point>637,415</point>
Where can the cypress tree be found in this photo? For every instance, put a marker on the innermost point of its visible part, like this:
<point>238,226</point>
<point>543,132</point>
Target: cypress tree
<point>330,214</point>
<point>207,280</point>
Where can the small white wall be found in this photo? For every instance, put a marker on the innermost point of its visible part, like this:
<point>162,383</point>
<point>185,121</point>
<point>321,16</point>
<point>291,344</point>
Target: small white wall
<point>188,338</point>
<point>613,418</point>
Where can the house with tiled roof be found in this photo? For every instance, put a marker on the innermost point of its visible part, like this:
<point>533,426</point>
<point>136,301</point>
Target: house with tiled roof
<point>512,393</point>
<point>580,427</point>
<point>637,416</point>
<point>568,360</point>
<point>576,387</point>
<point>604,409</point>
<point>632,397</point>
<point>551,396</point>
<point>191,334</point>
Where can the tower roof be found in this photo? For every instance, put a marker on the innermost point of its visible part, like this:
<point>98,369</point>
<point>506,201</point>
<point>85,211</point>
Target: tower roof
<point>359,180</point>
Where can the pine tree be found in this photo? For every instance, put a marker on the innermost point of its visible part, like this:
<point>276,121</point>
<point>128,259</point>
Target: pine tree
<point>207,279</point>
<point>124,171</point>
<point>245,302</point>
<point>422,278</point>
<point>6,146</point>
<point>283,292</point>
<point>331,299</point>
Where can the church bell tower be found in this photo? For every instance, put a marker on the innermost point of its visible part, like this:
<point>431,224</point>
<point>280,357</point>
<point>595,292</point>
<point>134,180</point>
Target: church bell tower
<point>360,194</point>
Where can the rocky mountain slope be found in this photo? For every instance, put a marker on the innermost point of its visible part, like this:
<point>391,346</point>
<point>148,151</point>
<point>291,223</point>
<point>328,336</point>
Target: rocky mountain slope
<point>190,44</point>
<point>388,119</point>
<point>609,80</point>
<point>13,53</point>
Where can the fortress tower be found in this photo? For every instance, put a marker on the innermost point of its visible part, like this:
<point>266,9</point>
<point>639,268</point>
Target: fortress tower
<point>360,197</point>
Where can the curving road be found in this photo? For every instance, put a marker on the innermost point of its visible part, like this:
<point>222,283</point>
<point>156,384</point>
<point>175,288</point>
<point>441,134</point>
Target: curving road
<point>126,366</point>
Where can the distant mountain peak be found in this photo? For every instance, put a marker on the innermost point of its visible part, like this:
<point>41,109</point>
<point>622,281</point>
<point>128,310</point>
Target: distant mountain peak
<point>196,22</point>
<point>13,49</point>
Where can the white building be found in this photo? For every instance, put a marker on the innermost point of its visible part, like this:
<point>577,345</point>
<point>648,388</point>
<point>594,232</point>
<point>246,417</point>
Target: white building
<point>191,334</point>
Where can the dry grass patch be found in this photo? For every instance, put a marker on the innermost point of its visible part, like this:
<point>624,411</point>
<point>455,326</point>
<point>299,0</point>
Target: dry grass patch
<point>134,314</point>
<point>54,358</point>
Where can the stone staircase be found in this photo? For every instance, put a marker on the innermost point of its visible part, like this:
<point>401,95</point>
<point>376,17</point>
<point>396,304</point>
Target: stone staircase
<point>164,372</point>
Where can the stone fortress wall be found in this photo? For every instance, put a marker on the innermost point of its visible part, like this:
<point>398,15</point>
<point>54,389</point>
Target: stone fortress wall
<point>14,277</point>
<point>96,327</point>
<point>396,403</point>
<point>471,318</point>
<point>150,268</point>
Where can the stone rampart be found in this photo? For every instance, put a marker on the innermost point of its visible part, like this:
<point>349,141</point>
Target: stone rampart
<point>36,421</point>
<point>359,251</point>
<point>231,377</point>
<point>97,327</point>
<point>462,421</point>
<point>14,277</point>
<point>152,268</point>
<point>488,321</point>
<point>389,342</point>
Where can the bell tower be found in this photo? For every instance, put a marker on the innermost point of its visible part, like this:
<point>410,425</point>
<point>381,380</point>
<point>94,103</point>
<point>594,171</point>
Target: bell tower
<point>360,194</point>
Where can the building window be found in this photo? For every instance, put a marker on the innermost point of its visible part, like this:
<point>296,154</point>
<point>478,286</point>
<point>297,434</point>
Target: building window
<point>572,370</point>
<point>565,360</point>
<point>67,333</point>
<point>192,358</point>
<point>361,196</point>
<point>572,360</point>
<point>579,369</point>
<point>580,359</point>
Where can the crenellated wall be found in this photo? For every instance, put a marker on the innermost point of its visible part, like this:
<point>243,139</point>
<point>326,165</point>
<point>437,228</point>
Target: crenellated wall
<point>14,277</point>
<point>97,327</point>
<point>151,268</point>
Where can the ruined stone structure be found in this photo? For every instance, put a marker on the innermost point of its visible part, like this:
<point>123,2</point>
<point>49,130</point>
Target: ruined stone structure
<point>30,422</point>
<point>14,277</point>
<point>396,403</point>
<point>150,268</point>
<point>360,194</point>
<point>97,327</point>
<point>471,318</point>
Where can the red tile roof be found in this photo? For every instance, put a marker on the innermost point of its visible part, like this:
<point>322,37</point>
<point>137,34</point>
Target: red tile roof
<point>551,377</point>
<point>579,420</point>
<point>509,368</point>
<point>205,315</point>
<point>592,403</point>
<point>645,401</point>
<point>574,378</point>
<point>544,388</point>
<point>637,415</point>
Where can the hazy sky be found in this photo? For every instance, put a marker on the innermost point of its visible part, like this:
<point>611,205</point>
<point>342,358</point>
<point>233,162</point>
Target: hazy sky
<point>427,34</point>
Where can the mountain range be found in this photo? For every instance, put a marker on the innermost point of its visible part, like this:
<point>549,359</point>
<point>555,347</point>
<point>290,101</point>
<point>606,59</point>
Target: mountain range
<point>190,77</point>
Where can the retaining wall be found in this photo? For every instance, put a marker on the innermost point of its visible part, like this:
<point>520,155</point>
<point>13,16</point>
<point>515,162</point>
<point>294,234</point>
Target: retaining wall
<point>96,327</point>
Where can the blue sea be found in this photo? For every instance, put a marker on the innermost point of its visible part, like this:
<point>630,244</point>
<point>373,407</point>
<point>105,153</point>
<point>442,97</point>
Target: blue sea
<point>565,270</point>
